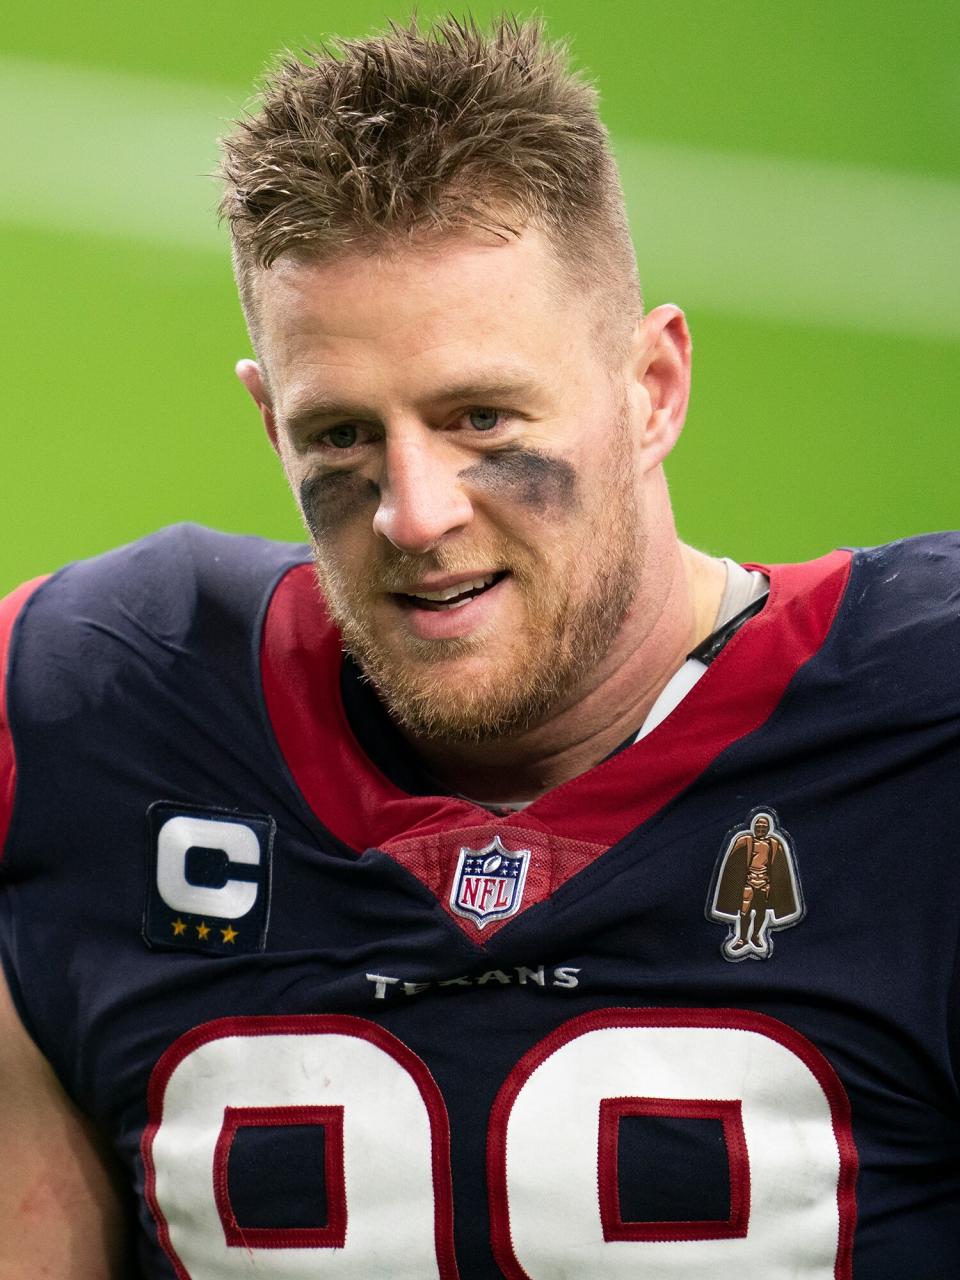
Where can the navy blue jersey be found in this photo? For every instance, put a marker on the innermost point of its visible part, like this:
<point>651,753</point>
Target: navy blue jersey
<point>692,1013</point>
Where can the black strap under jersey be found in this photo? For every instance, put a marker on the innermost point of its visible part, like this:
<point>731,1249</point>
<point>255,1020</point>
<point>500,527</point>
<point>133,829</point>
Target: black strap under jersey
<point>708,649</point>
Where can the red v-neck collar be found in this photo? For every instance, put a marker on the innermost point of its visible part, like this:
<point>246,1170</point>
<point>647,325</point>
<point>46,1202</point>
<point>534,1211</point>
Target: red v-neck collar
<point>300,666</point>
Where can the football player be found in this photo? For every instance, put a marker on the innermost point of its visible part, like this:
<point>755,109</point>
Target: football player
<point>404,904</point>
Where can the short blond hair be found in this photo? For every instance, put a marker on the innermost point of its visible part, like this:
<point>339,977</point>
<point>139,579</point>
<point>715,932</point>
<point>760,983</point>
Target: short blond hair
<point>360,144</point>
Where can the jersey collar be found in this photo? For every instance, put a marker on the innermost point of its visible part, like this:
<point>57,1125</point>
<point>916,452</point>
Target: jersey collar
<point>301,671</point>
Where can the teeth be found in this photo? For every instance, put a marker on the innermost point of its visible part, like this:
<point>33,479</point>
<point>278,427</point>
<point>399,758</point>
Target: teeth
<point>448,593</point>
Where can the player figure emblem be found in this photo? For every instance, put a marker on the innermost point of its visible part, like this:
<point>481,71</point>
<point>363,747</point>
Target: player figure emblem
<point>756,889</point>
<point>488,883</point>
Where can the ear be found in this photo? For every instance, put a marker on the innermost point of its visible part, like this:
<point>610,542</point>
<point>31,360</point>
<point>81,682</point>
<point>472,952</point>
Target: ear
<point>662,380</point>
<point>251,375</point>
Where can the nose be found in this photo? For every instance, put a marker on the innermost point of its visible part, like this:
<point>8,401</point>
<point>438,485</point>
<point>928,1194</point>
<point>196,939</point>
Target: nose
<point>421,496</point>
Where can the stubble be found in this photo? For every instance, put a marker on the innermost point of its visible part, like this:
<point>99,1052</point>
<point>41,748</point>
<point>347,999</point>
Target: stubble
<point>568,624</point>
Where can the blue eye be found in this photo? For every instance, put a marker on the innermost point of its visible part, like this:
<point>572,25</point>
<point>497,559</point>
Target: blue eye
<point>483,419</point>
<point>342,437</point>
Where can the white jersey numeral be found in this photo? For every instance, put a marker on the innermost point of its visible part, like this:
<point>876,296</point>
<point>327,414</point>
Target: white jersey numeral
<point>552,1150</point>
<point>389,1210</point>
<point>785,1117</point>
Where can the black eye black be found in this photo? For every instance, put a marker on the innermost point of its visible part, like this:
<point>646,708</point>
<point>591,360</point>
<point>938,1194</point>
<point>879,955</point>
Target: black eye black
<point>343,437</point>
<point>483,419</point>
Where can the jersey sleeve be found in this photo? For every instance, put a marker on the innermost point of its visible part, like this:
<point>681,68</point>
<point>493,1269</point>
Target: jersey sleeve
<point>11,609</point>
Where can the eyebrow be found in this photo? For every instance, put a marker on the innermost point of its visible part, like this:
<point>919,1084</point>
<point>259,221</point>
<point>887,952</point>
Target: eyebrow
<point>487,391</point>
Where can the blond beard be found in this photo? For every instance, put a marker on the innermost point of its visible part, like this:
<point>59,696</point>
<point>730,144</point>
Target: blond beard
<point>562,640</point>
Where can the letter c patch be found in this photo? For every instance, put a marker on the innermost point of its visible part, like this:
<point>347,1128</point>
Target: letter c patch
<point>208,885</point>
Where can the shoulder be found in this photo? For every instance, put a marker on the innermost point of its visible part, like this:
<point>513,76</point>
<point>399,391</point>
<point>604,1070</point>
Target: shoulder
<point>172,567</point>
<point>155,589</point>
<point>924,567</point>
<point>907,590</point>
<point>873,594</point>
<point>897,632</point>
<point>170,607</point>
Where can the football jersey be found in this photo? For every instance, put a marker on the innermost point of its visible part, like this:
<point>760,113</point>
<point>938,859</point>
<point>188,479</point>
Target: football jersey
<point>692,1013</point>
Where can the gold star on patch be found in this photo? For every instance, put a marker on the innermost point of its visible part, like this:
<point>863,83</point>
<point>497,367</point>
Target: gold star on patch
<point>229,933</point>
<point>202,930</point>
<point>178,926</point>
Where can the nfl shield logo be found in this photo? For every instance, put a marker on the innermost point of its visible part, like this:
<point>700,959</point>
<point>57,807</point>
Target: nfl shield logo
<point>488,884</point>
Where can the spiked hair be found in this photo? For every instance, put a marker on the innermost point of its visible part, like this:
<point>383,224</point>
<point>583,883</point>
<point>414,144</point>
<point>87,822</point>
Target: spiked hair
<point>361,144</point>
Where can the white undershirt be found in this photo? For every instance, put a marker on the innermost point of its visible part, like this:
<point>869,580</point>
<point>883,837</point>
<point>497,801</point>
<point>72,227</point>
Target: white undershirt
<point>742,588</point>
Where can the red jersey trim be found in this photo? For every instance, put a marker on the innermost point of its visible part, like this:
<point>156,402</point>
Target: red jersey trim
<point>300,657</point>
<point>10,609</point>
<point>570,826</point>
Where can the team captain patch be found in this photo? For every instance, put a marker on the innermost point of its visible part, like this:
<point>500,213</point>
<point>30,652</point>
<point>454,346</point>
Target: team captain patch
<point>488,883</point>
<point>208,879</point>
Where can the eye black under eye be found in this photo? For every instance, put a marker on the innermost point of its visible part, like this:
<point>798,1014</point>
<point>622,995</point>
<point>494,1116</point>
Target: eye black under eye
<point>483,419</point>
<point>342,437</point>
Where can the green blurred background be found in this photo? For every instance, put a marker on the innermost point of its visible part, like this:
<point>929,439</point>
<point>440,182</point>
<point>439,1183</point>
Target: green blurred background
<point>793,174</point>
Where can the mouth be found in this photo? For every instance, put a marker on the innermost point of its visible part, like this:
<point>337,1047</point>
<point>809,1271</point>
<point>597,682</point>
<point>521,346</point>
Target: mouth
<point>451,596</point>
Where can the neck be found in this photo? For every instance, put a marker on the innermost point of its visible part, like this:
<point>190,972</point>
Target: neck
<point>669,617</point>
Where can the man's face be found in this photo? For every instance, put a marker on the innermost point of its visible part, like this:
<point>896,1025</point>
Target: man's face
<point>466,465</point>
